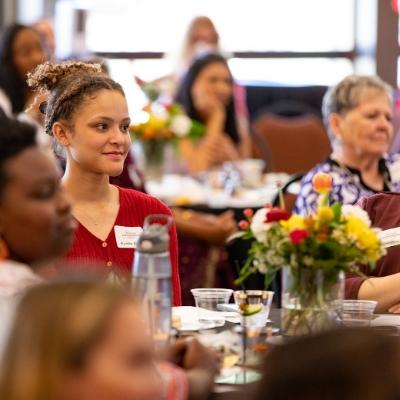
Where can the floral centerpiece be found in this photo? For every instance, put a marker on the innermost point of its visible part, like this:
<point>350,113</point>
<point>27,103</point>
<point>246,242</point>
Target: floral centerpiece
<point>313,252</point>
<point>162,124</point>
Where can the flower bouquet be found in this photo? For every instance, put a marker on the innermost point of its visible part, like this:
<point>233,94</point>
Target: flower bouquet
<point>163,124</point>
<point>313,252</point>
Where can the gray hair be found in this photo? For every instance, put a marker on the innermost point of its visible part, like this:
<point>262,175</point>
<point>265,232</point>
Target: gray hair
<point>347,95</point>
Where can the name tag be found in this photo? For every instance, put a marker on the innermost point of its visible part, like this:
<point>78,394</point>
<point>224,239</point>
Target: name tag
<point>127,236</point>
<point>390,237</point>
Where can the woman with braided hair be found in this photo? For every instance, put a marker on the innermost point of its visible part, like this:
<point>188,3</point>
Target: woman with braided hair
<point>87,114</point>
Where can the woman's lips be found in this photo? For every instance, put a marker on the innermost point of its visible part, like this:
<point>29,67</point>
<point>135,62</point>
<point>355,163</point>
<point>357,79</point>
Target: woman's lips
<point>114,155</point>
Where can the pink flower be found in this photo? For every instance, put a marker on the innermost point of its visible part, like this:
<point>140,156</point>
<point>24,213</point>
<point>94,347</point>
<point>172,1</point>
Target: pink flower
<point>298,236</point>
<point>248,213</point>
<point>277,214</point>
<point>243,225</point>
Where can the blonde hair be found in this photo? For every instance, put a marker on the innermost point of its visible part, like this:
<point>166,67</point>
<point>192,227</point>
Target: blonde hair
<point>190,37</point>
<point>56,326</point>
<point>68,84</point>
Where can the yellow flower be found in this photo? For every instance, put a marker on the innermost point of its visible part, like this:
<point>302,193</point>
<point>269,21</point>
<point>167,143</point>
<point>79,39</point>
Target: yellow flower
<point>325,214</point>
<point>373,255</point>
<point>355,226</point>
<point>156,123</point>
<point>368,240</point>
<point>294,222</point>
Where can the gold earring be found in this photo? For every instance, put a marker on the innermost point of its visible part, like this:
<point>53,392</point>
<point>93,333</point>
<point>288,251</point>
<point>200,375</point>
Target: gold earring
<point>4,253</point>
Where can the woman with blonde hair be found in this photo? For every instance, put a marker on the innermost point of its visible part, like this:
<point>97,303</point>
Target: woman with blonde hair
<point>201,37</point>
<point>87,113</point>
<point>85,340</point>
<point>79,340</point>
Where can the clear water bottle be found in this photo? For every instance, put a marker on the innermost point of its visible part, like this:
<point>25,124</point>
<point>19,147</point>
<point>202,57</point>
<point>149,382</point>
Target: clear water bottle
<point>152,275</point>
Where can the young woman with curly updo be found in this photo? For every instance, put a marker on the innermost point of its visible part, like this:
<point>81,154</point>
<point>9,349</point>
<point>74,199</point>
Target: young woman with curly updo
<point>87,114</point>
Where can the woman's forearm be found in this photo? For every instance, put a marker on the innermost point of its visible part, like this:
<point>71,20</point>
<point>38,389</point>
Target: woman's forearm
<point>385,290</point>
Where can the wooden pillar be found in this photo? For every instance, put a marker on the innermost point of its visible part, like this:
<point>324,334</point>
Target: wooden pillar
<point>387,45</point>
<point>8,12</point>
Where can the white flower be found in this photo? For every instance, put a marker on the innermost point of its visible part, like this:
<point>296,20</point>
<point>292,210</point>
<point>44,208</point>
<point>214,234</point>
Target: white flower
<point>260,266</point>
<point>258,226</point>
<point>356,211</point>
<point>308,261</point>
<point>180,125</point>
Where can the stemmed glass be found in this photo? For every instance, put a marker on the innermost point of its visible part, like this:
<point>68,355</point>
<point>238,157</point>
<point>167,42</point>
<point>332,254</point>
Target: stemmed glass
<point>254,307</point>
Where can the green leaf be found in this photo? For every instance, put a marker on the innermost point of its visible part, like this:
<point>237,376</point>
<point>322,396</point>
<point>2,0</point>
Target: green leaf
<point>197,130</point>
<point>337,212</point>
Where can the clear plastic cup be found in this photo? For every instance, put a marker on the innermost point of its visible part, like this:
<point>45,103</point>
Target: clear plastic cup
<point>357,312</point>
<point>207,301</point>
<point>254,306</point>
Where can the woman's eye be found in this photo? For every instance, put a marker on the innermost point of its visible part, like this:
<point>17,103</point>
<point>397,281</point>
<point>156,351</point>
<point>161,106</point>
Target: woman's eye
<point>125,128</point>
<point>371,115</point>
<point>228,81</point>
<point>101,127</point>
<point>45,192</point>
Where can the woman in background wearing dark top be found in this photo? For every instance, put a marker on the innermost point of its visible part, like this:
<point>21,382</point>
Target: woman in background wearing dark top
<point>21,51</point>
<point>206,93</point>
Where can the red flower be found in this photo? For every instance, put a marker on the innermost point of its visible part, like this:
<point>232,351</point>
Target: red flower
<point>243,225</point>
<point>277,214</point>
<point>298,236</point>
<point>248,213</point>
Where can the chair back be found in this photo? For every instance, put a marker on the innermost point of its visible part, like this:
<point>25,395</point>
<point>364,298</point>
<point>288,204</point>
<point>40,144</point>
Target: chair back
<point>290,144</point>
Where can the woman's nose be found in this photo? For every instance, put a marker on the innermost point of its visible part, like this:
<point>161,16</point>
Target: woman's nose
<point>117,136</point>
<point>384,123</point>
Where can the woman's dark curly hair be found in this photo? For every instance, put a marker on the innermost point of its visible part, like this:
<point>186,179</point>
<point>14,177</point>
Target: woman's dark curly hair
<point>15,137</point>
<point>184,93</point>
<point>11,82</point>
<point>68,85</point>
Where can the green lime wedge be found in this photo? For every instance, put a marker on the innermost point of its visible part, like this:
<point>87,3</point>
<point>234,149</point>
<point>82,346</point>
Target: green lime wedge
<point>250,309</point>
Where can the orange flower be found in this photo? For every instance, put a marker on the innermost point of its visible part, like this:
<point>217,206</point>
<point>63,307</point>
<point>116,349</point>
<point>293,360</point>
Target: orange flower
<point>309,221</point>
<point>149,133</point>
<point>322,183</point>
<point>167,133</point>
<point>322,237</point>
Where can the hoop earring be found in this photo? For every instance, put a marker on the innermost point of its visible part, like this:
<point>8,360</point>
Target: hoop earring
<point>4,253</point>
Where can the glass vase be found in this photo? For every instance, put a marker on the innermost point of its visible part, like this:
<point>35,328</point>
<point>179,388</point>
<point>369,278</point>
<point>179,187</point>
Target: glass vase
<point>309,300</point>
<point>153,157</point>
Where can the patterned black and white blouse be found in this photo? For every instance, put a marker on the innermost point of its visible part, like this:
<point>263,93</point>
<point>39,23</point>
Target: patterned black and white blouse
<point>348,186</point>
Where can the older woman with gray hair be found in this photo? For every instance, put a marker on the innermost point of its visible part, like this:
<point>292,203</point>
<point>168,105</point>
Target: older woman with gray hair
<point>358,116</point>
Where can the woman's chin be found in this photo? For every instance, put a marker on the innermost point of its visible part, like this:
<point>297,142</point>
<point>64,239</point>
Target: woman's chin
<point>115,172</point>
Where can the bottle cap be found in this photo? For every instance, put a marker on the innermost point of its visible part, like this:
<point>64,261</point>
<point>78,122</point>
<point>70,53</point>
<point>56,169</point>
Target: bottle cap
<point>155,236</point>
